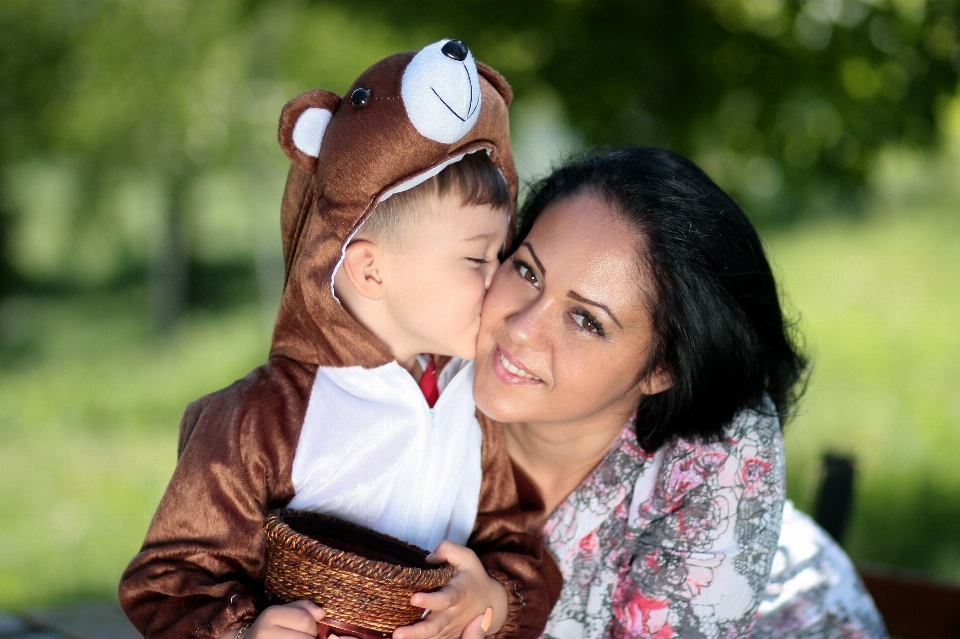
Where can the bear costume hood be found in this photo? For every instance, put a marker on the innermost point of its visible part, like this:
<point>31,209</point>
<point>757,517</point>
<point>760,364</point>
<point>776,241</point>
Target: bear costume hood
<point>401,122</point>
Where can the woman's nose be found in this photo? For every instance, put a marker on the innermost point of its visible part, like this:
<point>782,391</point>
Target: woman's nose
<point>526,324</point>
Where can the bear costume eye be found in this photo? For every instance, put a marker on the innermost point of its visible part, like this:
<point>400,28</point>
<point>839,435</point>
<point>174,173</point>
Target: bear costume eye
<point>455,50</point>
<point>360,97</point>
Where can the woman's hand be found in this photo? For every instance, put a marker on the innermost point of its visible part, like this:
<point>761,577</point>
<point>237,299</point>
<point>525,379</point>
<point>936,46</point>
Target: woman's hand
<point>297,620</point>
<point>461,606</point>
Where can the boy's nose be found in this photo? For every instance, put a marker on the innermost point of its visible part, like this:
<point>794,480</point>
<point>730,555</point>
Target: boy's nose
<point>490,271</point>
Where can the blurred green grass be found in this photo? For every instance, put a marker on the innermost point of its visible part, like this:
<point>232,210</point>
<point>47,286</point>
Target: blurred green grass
<point>879,304</point>
<point>90,400</point>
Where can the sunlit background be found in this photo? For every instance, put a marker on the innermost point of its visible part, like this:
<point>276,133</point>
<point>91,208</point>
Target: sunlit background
<point>140,261</point>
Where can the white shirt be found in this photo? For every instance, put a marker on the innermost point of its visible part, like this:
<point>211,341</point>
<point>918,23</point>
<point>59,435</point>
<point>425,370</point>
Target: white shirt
<point>373,452</point>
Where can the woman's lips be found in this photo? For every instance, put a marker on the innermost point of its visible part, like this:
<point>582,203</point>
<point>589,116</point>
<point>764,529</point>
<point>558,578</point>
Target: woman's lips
<point>510,371</point>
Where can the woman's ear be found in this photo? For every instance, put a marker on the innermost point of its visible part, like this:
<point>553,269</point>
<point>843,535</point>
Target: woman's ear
<point>363,266</point>
<point>656,382</point>
<point>303,122</point>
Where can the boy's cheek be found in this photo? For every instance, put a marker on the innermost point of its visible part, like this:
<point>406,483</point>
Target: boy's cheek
<point>469,348</point>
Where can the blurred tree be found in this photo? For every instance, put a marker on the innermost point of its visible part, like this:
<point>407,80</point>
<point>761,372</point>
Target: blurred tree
<point>152,87</point>
<point>778,99</point>
<point>169,89</point>
<point>33,41</point>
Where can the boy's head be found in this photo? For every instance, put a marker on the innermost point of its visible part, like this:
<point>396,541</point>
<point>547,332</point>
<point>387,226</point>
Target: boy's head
<point>402,121</point>
<point>417,269</point>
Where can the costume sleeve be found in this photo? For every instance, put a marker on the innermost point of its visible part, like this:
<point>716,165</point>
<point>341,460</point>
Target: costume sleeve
<point>705,531</point>
<point>507,539</point>
<point>199,571</point>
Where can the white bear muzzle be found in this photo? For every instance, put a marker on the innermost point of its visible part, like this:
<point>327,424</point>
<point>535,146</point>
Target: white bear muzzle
<point>441,91</point>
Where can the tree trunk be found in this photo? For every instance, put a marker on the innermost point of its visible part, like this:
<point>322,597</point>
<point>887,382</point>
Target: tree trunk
<point>9,279</point>
<point>168,276</point>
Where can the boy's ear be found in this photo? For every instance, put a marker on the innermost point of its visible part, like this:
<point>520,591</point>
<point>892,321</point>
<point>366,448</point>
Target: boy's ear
<point>363,266</point>
<point>656,382</point>
<point>303,122</point>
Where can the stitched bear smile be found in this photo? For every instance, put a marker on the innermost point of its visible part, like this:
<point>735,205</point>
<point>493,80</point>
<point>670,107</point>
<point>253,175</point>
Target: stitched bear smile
<point>471,107</point>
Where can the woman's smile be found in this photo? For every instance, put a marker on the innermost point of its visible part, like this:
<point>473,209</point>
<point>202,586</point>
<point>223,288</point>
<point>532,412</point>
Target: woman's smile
<point>510,371</point>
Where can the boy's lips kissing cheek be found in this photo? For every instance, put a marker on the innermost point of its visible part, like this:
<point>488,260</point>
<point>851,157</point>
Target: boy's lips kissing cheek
<point>510,370</point>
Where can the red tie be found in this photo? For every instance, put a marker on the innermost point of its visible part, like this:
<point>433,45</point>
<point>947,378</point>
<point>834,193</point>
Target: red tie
<point>428,384</point>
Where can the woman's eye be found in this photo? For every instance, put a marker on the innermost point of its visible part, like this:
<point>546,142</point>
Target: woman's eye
<point>588,322</point>
<point>478,260</point>
<point>524,270</point>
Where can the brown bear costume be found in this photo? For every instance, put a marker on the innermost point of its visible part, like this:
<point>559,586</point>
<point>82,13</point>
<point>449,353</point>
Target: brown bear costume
<point>200,571</point>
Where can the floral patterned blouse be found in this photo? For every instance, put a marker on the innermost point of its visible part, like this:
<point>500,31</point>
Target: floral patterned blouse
<point>678,543</point>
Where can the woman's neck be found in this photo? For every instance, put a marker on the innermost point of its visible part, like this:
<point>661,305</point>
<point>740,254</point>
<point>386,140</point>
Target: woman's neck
<point>558,457</point>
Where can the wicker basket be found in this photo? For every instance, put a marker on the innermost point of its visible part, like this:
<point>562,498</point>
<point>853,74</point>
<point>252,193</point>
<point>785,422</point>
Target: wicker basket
<point>363,579</point>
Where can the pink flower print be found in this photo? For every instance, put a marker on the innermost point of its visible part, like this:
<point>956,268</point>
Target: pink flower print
<point>699,524</point>
<point>684,476</point>
<point>754,469</point>
<point>652,560</point>
<point>633,449</point>
<point>621,511</point>
<point>733,633</point>
<point>712,461</point>
<point>852,631</point>
<point>589,544</point>
<point>752,473</point>
<point>644,617</point>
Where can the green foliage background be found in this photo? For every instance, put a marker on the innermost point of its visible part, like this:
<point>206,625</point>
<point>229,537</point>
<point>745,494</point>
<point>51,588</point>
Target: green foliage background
<point>139,242</point>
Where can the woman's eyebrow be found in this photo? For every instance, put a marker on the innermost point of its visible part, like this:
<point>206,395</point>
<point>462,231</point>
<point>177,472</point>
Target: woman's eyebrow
<point>581,298</point>
<point>536,259</point>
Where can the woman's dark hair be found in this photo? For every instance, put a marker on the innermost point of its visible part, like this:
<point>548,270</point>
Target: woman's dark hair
<point>718,327</point>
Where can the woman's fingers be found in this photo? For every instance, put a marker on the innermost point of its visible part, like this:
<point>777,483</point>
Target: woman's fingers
<point>289,621</point>
<point>475,629</point>
<point>315,611</point>
<point>279,632</point>
<point>300,615</point>
<point>421,630</point>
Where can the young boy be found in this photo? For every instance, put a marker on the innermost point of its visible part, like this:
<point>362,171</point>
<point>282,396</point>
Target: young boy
<point>399,202</point>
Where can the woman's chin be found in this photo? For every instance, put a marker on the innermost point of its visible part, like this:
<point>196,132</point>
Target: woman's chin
<point>496,406</point>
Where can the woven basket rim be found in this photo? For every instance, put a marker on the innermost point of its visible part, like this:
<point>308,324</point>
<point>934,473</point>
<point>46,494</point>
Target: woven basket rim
<point>279,532</point>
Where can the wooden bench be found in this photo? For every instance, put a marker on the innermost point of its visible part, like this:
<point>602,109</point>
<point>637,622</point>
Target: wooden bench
<point>913,606</point>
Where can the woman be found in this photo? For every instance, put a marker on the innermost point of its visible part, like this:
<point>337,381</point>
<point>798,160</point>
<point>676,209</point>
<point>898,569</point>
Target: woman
<point>634,349</point>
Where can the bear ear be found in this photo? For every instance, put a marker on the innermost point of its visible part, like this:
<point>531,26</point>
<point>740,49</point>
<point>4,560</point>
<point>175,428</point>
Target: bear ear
<point>303,122</point>
<point>494,78</point>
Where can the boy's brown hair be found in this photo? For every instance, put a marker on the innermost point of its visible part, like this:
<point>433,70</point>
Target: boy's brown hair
<point>475,179</point>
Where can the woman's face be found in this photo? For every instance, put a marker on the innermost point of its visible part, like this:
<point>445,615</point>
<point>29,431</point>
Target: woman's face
<point>565,330</point>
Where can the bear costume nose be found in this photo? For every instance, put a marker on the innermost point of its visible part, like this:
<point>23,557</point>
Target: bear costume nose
<point>455,50</point>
